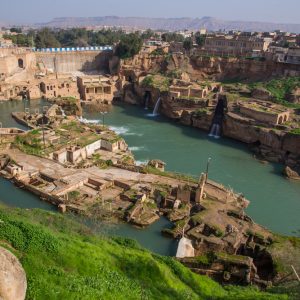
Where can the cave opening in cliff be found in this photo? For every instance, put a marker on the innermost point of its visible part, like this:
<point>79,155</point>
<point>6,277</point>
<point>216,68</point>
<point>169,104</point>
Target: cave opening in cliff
<point>21,63</point>
<point>217,122</point>
<point>147,98</point>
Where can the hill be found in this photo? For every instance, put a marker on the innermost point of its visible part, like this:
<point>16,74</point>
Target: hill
<point>171,24</point>
<point>64,260</point>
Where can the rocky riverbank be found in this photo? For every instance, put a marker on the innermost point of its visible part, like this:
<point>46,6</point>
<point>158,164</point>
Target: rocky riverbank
<point>271,140</point>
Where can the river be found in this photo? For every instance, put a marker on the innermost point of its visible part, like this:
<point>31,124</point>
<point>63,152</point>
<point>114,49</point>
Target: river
<point>275,201</point>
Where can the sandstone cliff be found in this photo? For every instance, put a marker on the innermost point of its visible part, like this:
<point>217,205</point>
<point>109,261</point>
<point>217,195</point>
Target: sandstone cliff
<point>13,282</point>
<point>216,68</point>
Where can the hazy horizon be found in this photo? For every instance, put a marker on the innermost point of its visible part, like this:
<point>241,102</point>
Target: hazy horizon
<point>36,11</point>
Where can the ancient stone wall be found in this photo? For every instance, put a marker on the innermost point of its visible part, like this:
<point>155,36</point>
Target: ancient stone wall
<point>8,64</point>
<point>266,117</point>
<point>70,62</point>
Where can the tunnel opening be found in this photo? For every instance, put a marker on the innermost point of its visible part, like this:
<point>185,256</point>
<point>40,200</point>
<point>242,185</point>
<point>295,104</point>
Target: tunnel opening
<point>147,98</point>
<point>20,63</point>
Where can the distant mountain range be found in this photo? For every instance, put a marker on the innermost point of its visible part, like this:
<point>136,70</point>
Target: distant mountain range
<point>171,24</point>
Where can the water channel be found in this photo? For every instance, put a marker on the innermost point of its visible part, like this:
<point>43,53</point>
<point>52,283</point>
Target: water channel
<point>275,201</point>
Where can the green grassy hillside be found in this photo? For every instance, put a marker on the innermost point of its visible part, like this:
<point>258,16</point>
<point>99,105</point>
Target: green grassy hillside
<point>64,260</point>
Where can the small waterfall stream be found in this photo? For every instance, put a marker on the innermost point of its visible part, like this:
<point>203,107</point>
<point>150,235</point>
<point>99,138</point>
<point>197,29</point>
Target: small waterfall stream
<point>62,112</point>
<point>217,121</point>
<point>156,108</point>
<point>215,131</point>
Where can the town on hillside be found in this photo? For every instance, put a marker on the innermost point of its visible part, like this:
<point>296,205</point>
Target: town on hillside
<point>235,84</point>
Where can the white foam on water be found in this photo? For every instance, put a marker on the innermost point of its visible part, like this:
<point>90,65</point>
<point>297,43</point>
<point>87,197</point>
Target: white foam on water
<point>152,115</point>
<point>132,133</point>
<point>136,148</point>
<point>84,120</point>
<point>122,130</point>
<point>141,162</point>
<point>119,130</point>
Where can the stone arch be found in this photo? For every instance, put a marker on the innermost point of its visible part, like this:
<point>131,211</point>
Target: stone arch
<point>285,119</point>
<point>280,120</point>
<point>20,63</point>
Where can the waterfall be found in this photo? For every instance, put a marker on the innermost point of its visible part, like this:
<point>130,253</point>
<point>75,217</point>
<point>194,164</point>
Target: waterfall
<point>62,112</point>
<point>155,110</point>
<point>215,131</point>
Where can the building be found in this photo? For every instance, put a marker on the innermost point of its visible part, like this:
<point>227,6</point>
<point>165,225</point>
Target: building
<point>192,91</point>
<point>277,54</point>
<point>75,154</point>
<point>298,40</point>
<point>8,91</point>
<point>267,113</point>
<point>5,43</point>
<point>151,45</point>
<point>177,92</point>
<point>33,92</point>
<point>236,44</point>
<point>96,88</point>
<point>293,55</point>
<point>59,88</point>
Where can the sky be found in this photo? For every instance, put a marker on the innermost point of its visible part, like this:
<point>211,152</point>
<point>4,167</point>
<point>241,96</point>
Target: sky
<point>32,11</point>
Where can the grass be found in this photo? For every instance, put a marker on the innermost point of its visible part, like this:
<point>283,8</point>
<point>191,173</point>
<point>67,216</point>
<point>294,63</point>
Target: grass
<point>201,112</point>
<point>29,143</point>
<point>159,82</point>
<point>279,89</point>
<point>178,176</point>
<point>63,259</point>
<point>295,131</point>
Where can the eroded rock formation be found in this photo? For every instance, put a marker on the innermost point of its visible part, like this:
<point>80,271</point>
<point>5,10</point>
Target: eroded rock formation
<point>13,282</point>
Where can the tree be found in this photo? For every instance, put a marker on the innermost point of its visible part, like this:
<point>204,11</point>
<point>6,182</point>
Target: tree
<point>16,30</point>
<point>188,44</point>
<point>148,34</point>
<point>46,39</point>
<point>18,39</point>
<point>129,45</point>
<point>200,39</point>
<point>172,37</point>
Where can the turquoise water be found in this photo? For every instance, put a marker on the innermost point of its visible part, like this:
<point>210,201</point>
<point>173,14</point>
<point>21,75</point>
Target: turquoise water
<point>17,197</point>
<point>275,201</point>
<point>7,107</point>
<point>149,238</point>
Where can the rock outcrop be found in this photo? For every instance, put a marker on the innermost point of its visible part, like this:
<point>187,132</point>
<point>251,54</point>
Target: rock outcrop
<point>294,96</point>
<point>262,94</point>
<point>292,174</point>
<point>199,66</point>
<point>13,282</point>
